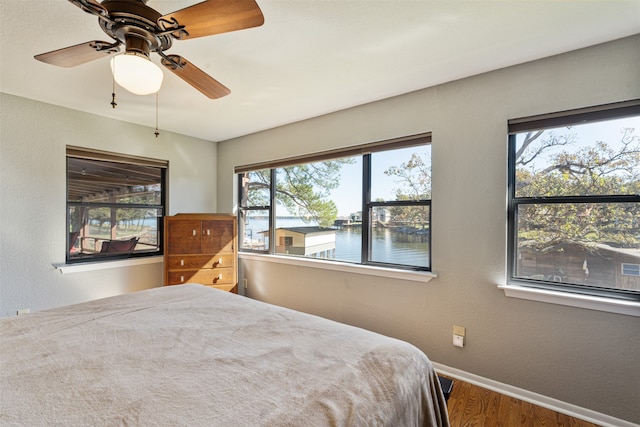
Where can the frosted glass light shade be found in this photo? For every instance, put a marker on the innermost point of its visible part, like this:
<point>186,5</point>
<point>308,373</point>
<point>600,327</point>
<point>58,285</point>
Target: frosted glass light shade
<point>136,73</point>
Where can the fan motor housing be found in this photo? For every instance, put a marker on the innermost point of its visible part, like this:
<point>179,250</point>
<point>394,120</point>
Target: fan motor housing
<point>131,22</point>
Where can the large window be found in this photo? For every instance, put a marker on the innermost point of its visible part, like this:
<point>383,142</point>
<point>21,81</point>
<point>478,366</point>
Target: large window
<point>115,205</point>
<point>574,211</point>
<point>369,205</point>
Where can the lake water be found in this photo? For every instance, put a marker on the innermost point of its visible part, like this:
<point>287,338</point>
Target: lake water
<point>387,244</point>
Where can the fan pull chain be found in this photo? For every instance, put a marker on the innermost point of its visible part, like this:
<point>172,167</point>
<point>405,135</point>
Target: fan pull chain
<point>156,133</point>
<point>113,91</point>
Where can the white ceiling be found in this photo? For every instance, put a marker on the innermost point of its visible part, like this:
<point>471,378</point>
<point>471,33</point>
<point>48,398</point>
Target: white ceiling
<point>310,57</point>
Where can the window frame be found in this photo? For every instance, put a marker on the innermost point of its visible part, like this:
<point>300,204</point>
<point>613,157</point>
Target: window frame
<point>549,121</point>
<point>364,150</point>
<point>105,156</point>
<point>625,267</point>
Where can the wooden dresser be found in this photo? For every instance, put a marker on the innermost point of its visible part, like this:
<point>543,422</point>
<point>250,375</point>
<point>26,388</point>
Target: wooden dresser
<point>201,248</point>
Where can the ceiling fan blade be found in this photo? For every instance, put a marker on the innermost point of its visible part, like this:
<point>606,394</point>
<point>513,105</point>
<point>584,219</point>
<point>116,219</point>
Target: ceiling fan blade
<point>78,54</point>
<point>193,75</point>
<point>213,17</point>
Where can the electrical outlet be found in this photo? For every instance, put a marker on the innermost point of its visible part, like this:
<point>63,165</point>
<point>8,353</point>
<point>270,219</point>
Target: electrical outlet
<point>23,311</point>
<point>459,333</point>
<point>458,341</point>
<point>245,283</point>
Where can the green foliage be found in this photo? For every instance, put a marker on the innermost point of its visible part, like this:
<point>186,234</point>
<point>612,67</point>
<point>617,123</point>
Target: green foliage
<point>596,169</point>
<point>302,189</point>
<point>413,178</point>
<point>590,170</point>
<point>256,188</point>
<point>414,183</point>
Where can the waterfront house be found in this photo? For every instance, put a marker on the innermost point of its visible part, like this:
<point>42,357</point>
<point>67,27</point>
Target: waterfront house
<point>317,242</point>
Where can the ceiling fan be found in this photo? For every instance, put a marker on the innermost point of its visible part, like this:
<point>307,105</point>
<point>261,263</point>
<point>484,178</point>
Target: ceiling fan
<point>143,30</point>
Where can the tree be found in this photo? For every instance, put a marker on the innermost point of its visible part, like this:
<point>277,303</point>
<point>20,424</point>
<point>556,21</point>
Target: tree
<point>414,178</point>
<point>414,183</point>
<point>589,170</point>
<point>302,189</point>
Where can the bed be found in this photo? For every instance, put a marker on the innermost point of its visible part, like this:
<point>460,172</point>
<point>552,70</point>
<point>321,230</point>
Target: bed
<point>190,355</point>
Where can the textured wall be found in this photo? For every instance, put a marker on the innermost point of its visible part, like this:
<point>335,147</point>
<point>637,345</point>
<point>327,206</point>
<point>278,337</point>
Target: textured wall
<point>583,357</point>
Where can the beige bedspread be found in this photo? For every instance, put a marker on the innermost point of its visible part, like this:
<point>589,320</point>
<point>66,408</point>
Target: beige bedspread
<point>194,356</point>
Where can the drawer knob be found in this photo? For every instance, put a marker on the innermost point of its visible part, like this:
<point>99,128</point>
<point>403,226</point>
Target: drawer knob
<point>182,263</point>
<point>181,279</point>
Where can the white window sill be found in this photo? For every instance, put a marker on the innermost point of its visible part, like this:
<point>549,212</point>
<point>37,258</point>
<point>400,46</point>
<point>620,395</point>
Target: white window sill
<point>629,308</point>
<point>91,266</point>
<point>391,273</point>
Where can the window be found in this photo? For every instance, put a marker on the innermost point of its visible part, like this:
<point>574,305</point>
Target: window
<point>368,204</point>
<point>574,201</point>
<point>631,269</point>
<point>115,205</point>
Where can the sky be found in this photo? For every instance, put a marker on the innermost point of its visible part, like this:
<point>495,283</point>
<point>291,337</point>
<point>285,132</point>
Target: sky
<point>587,135</point>
<point>347,196</point>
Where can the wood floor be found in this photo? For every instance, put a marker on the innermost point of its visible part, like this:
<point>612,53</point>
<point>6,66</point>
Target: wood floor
<point>473,406</point>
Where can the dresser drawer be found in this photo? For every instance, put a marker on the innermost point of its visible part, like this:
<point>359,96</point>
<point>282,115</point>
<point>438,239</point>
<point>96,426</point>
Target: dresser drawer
<point>190,262</point>
<point>217,276</point>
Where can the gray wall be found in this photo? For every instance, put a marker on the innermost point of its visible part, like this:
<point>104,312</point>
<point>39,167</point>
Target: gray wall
<point>584,357</point>
<point>33,138</point>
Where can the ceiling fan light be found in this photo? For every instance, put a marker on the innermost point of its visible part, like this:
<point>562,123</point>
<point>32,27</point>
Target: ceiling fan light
<point>136,73</point>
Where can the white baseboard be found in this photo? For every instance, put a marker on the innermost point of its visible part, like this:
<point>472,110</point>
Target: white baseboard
<point>534,398</point>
